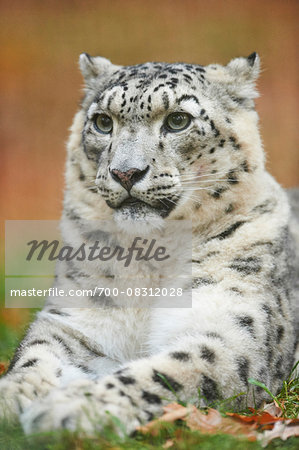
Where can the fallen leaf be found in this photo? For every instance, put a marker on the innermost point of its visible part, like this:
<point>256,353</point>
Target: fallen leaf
<point>3,367</point>
<point>235,424</point>
<point>260,418</point>
<point>242,418</point>
<point>273,409</point>
<point>197,420</point>
<point>282,430</point>
<point>172,412</point>
<point>213,422</point>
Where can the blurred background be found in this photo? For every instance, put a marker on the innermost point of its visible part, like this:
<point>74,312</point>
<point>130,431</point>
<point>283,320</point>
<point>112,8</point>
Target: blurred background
<point>41,84</point>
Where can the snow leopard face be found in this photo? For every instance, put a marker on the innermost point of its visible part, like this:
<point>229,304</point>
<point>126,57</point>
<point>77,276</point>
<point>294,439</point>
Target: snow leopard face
<point>162,137</point>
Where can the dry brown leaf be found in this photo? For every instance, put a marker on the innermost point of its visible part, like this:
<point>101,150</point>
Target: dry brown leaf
<point>260,418</point>
<point>172,412</point>
<point>3,367</point>
<point>213,422</point>
<point>273,409</point>
<point>235,424</point>
<point>197,420</point>
<point>281,430</point>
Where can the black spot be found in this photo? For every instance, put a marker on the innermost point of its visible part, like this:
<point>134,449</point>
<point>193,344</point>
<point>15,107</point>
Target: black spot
<point>246,322</point>
<point>229,231</point>
<point>279,302</point>
<point>243,369</point>
<point>84,368</point>
<point>71,214</point>
<point>246,266</point>
<point>209,389</point>
<point>232,177</point>
<point>165,100</point>
<point>217,193</point>
<point>166,381</point>
<point>126,380</point>
<point>232,139</point>
<point>213,335</point>
<point>38,418</point>
<point>58,339</point>
<point>265,207</point>
<point>180,356</point>
<point>110,385</point>
<point>120,371</point>
<point>207,354</point>
<point>244,166</point>
<point>92,351</point>
<point>82,176</point>
<point>236,290</point>
<point>65,422</point>
<point>58,312</point>
<point>212,150</point>
<point>151,398</point>
<point>30,363</point>
<point>268,346</point>
<point>16,357</point>
<point>131,400</point>
<point>201,281</point>
<point>150,415</point>
<point>37,342</point>
<point>280,333</point>
<point>279,366</point>
<point>267,310</point>
<point>187,97</point>
<point>230,208</point>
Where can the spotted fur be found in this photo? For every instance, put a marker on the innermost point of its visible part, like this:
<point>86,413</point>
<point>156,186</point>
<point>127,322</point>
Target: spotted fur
<point>75,364</point>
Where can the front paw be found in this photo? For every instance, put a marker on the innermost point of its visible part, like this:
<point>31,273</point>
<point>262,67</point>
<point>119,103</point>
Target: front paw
<point>16,394</point>
<point>84,406</point>
<point>18,391</point>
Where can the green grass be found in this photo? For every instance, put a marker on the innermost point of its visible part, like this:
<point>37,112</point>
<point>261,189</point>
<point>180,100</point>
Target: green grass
<point>13,438</point>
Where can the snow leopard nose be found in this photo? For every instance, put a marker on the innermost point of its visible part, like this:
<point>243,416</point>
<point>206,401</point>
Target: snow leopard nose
<point>128,178</point>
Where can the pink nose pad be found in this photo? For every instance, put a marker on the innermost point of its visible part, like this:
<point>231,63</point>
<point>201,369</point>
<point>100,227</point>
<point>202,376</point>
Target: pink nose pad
<point>129,178</point>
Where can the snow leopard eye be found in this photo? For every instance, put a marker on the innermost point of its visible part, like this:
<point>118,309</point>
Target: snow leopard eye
<point>103,123</point>
<point>177,121</point>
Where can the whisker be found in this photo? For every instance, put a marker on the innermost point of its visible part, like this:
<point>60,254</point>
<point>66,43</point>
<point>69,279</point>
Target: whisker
<point>160,200</point>
<point>196,175</point>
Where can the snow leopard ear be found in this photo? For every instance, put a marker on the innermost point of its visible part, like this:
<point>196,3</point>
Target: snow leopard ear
<point>243,73</point>
<point>238,78</point>
<point>245,69</point>
<point>92,67</point>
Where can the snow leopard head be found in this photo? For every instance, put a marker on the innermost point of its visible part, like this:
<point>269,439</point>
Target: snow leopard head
<point>157,139</point>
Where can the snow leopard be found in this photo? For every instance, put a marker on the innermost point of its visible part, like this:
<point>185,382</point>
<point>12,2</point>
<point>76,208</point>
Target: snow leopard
<point>151,144</point>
